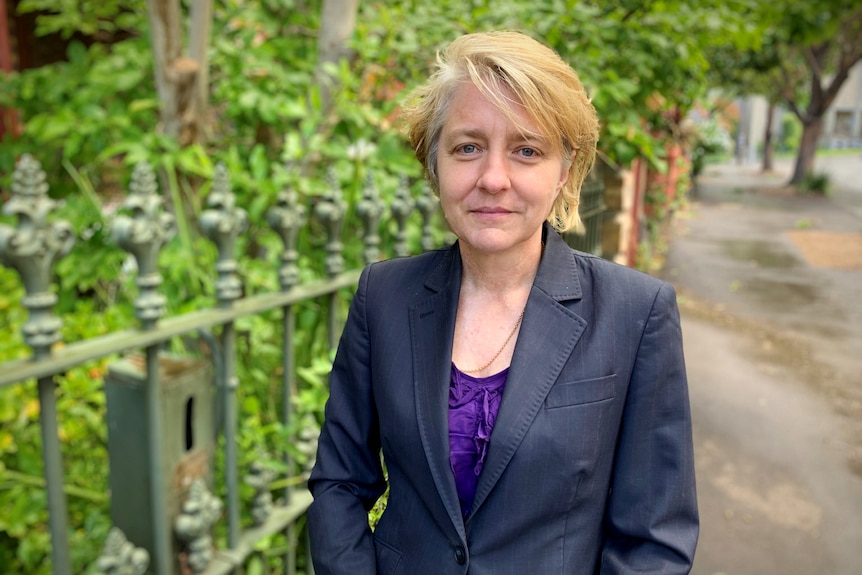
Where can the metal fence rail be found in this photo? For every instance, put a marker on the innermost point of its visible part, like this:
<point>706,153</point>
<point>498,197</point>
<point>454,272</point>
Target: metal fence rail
<point>177,518</point>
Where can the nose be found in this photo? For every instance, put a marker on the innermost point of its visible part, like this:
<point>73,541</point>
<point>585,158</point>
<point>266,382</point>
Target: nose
<point>494,174</point>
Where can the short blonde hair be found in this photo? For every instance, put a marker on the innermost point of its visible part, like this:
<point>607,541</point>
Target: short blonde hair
<point>549,89</point>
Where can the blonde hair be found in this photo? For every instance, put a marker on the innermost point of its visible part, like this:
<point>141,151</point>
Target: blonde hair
<point>501,63</point>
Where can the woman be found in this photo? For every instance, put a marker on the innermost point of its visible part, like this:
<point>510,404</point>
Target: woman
<point>530,402</point>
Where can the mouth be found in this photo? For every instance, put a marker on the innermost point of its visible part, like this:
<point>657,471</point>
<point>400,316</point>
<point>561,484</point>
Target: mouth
<point>491,211</point>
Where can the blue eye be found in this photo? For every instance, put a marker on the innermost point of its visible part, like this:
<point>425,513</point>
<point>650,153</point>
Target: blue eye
<point>468,148</point>
<point>528,152</point>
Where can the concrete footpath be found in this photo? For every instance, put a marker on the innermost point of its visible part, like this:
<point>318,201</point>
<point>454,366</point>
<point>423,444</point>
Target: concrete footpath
<point>770,289</point>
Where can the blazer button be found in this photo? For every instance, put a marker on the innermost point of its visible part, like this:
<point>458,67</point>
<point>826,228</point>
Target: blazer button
<point>460,555</point>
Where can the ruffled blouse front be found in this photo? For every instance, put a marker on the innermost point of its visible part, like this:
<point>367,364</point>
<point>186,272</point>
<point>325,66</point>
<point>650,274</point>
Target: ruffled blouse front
<point>473,406</point>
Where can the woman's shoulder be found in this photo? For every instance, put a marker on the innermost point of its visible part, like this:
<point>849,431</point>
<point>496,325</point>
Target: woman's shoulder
<point>400,264</point>
<point>410,269</point>
<point>599,271</point>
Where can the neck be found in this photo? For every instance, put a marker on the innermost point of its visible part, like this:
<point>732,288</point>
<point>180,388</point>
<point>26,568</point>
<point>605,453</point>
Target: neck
<point>501,272</point>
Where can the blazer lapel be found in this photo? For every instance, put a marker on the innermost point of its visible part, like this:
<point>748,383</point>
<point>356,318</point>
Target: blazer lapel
<point>432,323</point>
<point>548,334</point>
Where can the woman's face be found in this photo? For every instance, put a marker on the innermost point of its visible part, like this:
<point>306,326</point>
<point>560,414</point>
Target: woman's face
<point>497,185</point>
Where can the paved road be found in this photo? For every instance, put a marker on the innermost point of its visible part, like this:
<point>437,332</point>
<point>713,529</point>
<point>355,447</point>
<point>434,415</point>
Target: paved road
<point>774,354</point>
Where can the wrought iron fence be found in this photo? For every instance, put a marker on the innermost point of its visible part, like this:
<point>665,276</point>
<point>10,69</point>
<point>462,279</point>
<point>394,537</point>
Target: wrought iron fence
<point>592,211</point>
<point>162,504</point>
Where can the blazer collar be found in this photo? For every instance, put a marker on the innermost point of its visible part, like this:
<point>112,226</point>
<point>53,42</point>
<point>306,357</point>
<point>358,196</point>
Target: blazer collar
<point>557,275</point>
<point>432,323</point>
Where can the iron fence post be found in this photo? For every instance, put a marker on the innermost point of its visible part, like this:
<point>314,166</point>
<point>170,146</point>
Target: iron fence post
<point>330,210</point>
<point>370,209</point>
<point>143,233</point>
<point>402,206</point>
<point>427,203</point>
<point>32,249</point>
<point>222,223</point>
<point>286,218</point>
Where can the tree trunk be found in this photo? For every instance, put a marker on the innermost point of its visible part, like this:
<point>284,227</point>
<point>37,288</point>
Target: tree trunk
<point>768,139</point>
<point>180,80</point>
<point>166,38</point>
<point>200,29</point>
<point>811,131</point>
<point>337,23</point>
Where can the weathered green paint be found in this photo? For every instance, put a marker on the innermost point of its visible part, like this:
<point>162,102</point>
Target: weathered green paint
<point>222,223</point>
<point>96,348</point>
<point>199,513</point>
<point>286,217</point>
<point>120,557</point>
<point>144,234</point>
<point>187,446</point>
<point>32,249</point>
<point>402,207</point>
<point>370,209</point>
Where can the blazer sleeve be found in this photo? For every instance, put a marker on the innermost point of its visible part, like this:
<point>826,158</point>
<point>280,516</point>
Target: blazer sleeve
<point>347,478</point>
<point>651,522</point>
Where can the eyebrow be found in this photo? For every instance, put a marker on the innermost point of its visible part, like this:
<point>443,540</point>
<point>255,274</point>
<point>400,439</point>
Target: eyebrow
<point>473,133</point>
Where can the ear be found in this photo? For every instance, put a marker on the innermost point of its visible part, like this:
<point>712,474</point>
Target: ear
<point>564,175</point>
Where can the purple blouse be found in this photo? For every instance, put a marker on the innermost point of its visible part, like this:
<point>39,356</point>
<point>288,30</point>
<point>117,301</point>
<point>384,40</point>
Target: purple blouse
<point>473,406</point>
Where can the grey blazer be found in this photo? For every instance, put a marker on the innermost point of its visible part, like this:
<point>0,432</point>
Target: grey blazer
<point>589,467</point>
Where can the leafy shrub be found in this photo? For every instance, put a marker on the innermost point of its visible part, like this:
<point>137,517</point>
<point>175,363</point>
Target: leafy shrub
<point>815,182</point>
<point>709,140</point>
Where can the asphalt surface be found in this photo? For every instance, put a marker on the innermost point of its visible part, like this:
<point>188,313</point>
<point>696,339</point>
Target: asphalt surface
<point>773,337</point>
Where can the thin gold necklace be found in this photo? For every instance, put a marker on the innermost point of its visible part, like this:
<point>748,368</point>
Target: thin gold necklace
<point>499,351</point>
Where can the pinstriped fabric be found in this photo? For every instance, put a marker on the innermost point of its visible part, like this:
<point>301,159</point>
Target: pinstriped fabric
<point>589,467</point>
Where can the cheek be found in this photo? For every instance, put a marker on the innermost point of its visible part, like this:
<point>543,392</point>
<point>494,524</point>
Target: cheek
<point>445,198</point>
<point>453,185</point>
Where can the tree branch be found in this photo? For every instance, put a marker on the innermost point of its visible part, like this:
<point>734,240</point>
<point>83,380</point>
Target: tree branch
<point>630,13</point>
<point>814,58</point>
<point>787,92</point>
<point>849,53</point>
<point>848,40</point>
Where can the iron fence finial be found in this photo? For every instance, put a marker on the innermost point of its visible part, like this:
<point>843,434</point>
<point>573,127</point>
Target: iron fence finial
<point>32,248</point>
<point>143,233</point>
<point>222,223</point>
<point>370,209</point>
<point>286,218</point>
<point>330,210</point>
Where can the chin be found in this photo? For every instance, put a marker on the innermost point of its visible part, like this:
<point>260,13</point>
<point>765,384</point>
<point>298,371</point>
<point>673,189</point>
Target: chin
<point>490,243</point>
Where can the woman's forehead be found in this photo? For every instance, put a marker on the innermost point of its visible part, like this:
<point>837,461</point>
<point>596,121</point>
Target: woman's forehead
<point>472,112</point>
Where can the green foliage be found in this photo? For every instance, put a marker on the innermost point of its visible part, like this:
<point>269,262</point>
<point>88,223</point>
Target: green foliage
<point>806,52</point>
<point>76,110</point>
<point>24,538</point>
<point>96,18</point>
<point>819,183</point>
<point>791,133</point>
<point>709,140</point>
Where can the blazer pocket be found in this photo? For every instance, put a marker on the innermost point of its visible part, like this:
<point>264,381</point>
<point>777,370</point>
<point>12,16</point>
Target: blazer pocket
<point>581,392</point>
<point>388,558</point>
